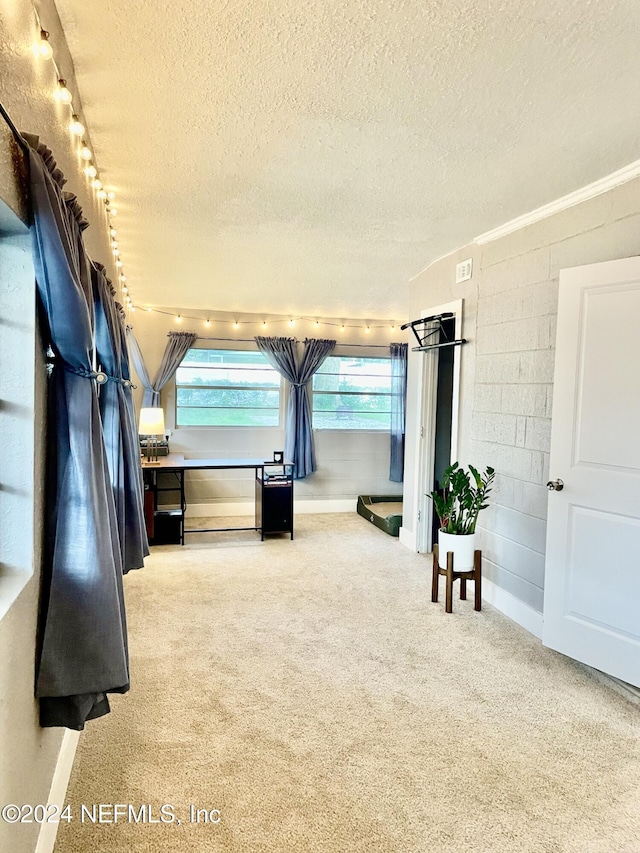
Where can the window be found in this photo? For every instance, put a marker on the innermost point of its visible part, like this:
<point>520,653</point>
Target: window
<point>227,388</point>
<point>352,393</point>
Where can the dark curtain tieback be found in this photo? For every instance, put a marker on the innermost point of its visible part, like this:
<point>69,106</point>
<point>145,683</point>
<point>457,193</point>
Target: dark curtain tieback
<point>99,375</point>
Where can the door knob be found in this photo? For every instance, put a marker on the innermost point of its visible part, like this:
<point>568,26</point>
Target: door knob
<point>555,485</point>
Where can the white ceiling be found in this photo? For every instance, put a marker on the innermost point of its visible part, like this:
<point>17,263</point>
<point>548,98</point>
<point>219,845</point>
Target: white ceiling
<point>310,156</point>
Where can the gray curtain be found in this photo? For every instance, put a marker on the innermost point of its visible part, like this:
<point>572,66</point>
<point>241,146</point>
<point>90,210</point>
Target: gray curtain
<point>118,422</point>
<point>398,410</point>
<point>141,368</point>
<point>178,346</point>
<point>281,354</point>
<point>82,641</point>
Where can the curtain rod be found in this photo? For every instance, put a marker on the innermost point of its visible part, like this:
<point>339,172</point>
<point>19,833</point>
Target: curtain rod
<point>5,115</point>
<point>253,340</point>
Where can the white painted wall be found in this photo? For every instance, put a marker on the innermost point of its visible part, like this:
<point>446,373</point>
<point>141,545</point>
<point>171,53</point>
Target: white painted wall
<point>349,462</point>
<point>507,371</point>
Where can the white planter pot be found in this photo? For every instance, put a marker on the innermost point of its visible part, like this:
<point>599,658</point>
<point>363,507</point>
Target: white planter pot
<point>463,548</point>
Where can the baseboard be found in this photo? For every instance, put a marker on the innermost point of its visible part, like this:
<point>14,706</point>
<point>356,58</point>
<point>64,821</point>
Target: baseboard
<point>512,607</point>
<point>407,538</point>
<point>247,508</point>
<point>58,790</point>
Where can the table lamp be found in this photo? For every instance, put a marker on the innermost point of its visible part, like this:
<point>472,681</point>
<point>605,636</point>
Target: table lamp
<point>152,425</point>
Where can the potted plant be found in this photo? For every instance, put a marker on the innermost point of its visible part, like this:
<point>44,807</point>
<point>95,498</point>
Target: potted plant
<point>458,505</point>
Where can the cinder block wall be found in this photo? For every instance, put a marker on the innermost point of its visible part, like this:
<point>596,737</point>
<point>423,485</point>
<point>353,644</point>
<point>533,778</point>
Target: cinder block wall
<point>507,368</point>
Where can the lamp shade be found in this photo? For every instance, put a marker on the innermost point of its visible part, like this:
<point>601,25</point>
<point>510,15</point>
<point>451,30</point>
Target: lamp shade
<point>151,421</point>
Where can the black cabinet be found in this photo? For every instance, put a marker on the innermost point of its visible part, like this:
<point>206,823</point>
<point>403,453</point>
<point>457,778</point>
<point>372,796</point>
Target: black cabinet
<point>274,499</point>
<point>164,505</point>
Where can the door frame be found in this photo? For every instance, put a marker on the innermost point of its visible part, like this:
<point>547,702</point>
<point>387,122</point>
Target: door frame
<point>426,425</point>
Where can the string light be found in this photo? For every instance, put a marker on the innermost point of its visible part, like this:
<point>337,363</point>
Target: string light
<point>76,127</point>
<point>207,322</point>
<point>264,324</point>
<point>149,310</point>
<point>393,328</point>
<point>132,307</point>
<point>367,330</point>
<point>44,49</point>
<point>113,211</point>
<point>125,289</point>
<point>342,328</point>
<point>123,278</point>
<point>291,323</point>
<point>179,318</point>
<point>63,94</point>
<point>236,325</point>
<point>316,325</point>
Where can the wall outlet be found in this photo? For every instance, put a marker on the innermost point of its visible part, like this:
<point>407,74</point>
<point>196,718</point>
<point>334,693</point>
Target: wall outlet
<point>463,271</point>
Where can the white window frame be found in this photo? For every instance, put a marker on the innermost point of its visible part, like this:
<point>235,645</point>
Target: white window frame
<point>349,353</point>
<point>232,346</point>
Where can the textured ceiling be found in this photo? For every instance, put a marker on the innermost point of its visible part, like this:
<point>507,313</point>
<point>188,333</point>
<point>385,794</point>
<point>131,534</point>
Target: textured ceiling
<point>309,156</point>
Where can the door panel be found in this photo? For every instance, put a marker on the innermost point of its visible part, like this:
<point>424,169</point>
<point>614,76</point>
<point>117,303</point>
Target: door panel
<point>592,575</point>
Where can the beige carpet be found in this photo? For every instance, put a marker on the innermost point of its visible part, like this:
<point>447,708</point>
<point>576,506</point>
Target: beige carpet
<point>311,692</point>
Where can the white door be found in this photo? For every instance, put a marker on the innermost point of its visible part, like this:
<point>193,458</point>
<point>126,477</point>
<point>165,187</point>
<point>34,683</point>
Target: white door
<point>592,578</point>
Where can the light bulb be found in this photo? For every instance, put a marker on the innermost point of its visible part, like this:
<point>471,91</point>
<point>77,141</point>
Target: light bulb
<point>44,48</point>
<point>114,245</point>
<point>125,289</point>
<point>114,211</point>
<point>342,328</point>
<point>64,95</point>
<point>102,194</point>
<point>178,319</point>
<point>111,195</point>
<point>149,310</point>
<point>128,298</point>
<point>116,252</point>
<point>85,152</point>
<point>133,307</point>
<point>113,232</point>
<point>90,171</point>
<point>96,183</point>
<point>123,278</point>
<point>316,325</point>
<point>118,264</point>
<point>393,328</point>
<point>291,323</point>
<point>236,325</point>
<point>264,324</point>
<point>207,323</point>
<point>367,330</point>
<point>76,127</point>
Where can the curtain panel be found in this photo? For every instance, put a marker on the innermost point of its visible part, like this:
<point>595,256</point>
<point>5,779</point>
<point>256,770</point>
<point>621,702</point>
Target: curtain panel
<point>82,652</point>
<point>118,423</point>
<point>281,353</point>
<point>177,347</point>
<point>398,410</point>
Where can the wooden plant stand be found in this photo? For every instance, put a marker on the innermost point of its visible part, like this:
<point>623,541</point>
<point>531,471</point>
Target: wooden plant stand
<point>451,575</point>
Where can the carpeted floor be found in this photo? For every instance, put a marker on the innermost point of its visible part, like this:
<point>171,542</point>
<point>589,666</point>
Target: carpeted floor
<point>312,693</point>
